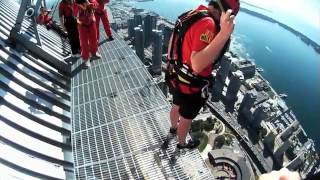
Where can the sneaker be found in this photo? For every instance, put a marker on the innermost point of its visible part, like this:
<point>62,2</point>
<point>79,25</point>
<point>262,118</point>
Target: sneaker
<point>111,38</point>
<point>87,64</point>
<point>172,133</point>
<point>96,56</point>
<point>75,55</point>
<point>192,144</point>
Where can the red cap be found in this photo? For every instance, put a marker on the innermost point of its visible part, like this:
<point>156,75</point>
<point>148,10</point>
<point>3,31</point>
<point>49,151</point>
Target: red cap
<point>234,5</point>
<point>226,4</point>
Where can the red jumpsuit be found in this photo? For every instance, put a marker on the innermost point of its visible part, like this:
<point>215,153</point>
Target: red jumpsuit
<point>102,14</point>
<point>44,19</point>
<point>87,29</point>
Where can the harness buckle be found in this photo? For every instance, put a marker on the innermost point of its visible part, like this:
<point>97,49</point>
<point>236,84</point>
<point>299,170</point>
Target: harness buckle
<point>184,69</point>
<point>205,90</point>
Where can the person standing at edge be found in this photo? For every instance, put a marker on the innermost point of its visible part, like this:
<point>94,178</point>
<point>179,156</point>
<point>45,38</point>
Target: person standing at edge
<point>102,14</point>
<point>87,30</point>
<point>203,43</point>
<point>69,22</point>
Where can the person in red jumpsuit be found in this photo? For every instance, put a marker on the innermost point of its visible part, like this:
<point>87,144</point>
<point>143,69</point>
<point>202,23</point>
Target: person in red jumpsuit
<point>102,14</point>
<point>69,22</point>
<point>87,30</point>
<point>44,18</point>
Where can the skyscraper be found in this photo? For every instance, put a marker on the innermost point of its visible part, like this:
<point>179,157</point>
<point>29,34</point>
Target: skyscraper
<point>139,43</point>
<point>286,133</point>
<point>225,67</point>
<point>137,20</point>
<point>260,114</point>
<point>233,88</point>
<point>247,103</point>
<point>247,67</point>
<point>221,78</point>
<point>156,51</point>
<point>131,26</point>
<point>150,23</point>
<point>167,31</point>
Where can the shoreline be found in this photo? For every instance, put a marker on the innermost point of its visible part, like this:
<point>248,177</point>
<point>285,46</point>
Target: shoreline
<point>305,39</point>
<point>302,37</point>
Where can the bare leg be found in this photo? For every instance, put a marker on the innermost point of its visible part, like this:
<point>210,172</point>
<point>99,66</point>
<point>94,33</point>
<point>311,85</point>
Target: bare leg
<point>174,116</point>
<point>183,129</point>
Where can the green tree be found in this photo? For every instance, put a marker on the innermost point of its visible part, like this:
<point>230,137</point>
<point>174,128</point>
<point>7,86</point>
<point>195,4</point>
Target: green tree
<point>203,142</point>
<point>228,139</point>
<point>219,142</point>
<point>196,126</point>
<point>202,137</point>
<point>207,126</point>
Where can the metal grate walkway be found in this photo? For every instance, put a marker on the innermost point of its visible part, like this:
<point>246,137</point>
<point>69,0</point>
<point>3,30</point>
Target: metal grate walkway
<point>119,119</point>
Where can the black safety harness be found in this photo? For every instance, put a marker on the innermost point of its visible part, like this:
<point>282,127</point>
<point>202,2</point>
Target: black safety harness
<point>177,71</point>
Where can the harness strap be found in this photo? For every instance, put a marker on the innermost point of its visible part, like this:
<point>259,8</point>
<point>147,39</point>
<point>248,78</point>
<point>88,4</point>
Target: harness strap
<point>186,77</point>
<point>182,73</point>
<point>184,22</point>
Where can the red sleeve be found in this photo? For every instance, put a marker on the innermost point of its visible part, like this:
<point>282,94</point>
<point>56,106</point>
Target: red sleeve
<point>61,7</point>
<point>47,19</point>
<point>39,19</point>
<point>202,33</point>
<point>75,9</point>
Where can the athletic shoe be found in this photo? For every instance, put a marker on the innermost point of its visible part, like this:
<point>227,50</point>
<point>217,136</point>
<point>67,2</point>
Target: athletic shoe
<point>96,56</point>
<point>172,133</point>
<point>87,64</point>
<point>192,144</point>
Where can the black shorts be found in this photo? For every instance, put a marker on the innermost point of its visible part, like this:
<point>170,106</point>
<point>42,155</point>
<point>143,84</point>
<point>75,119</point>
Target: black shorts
<point>190,104</point>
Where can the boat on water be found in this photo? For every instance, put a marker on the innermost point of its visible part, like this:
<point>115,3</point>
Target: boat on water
<point>283,96</point>
<point>259,69</point>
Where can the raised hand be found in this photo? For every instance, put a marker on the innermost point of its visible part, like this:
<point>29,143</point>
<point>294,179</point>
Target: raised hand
<point>227,23</point>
